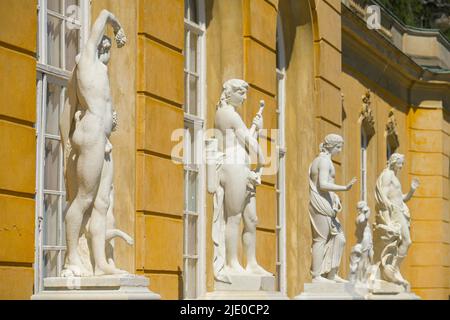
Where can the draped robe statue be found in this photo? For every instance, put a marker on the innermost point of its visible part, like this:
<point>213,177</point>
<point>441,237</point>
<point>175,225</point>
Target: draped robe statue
<point>328,236</point>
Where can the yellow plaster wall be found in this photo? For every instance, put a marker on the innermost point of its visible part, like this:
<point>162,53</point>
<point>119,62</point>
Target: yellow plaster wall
<point>17,147</point>
<point>159,181</point>
<point>429,255</point>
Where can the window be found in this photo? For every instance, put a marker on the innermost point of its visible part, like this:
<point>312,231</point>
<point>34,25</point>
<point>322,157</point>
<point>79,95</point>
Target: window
<point>364,144</point>
<point>281,148</point>
<point>62,27</point>
<point>194,170</point>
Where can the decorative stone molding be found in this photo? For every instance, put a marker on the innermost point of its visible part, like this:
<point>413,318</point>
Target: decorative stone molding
<point>391,132</point>
<point>366,118</point>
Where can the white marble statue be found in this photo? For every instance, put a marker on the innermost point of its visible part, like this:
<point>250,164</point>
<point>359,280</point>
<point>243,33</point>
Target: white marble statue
<point>234,183</point>
<point>361,256</point>
<point>328,236</point>
<point>391,232</point>
<point>86,125</point>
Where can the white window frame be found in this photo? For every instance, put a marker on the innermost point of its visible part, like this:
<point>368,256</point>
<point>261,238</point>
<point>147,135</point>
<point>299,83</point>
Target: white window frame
<point>281,148</point>
<point>59,76</point>
<point>198,121</point>
<point>364,146</point>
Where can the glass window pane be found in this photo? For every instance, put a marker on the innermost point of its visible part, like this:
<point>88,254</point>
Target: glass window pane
<point>192,191</point>
<point>52,165</point>
<point>50,225</point>
<point>54,41</point>
<point>186,96</point>
<point>72,36</point>
<point>193,95</point>
<point>192,235</point>
<point>191,10</point>
<point>50,263</point>
<point>52,110</point>
<point>55,5</point>
<point>193,52</point>
<point>191,278</point>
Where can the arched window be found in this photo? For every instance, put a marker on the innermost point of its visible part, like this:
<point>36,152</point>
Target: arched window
<point>194,171</point>
<point>62,29</point>
<point>281,148</point>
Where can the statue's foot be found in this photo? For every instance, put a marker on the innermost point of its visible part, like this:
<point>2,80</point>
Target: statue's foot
<point>235,268</point>
<point>108,270</point>
<point>71,270</point>
<point>257,269</point>
<point>338,279</point>
<point>321,279</point>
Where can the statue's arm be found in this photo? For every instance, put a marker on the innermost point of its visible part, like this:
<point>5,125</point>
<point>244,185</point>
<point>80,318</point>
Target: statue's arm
<point>244,135</point>
<point>97,32</point>
<point>414,186</point>
<point>324,178</point>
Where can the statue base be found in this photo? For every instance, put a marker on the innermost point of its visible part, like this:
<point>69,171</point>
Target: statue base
<point>245,287</point>
<point>330,291</point>
<point>383,290</point>
<point>114,287</point>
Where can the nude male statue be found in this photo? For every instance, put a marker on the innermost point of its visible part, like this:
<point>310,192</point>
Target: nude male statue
<point>86,125</point>
<point>393,219</point>
<point>328,236</point>
<point>235,198</point>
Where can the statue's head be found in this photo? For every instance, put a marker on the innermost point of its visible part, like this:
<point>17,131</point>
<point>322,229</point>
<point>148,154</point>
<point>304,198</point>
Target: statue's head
<point>104,50</point>
<point>363,208</point>
<point>332,144</point>
<point>396,161</point>
<point>234,92</point>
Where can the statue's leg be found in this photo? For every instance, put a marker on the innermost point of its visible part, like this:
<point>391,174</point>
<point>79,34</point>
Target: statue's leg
<point>338,250</point>
<point>234,180</point>
<point>249,237</point>
<point>88,171</point>
<point>320,233</point>
<point>97,227</point>
<point>403,247</point>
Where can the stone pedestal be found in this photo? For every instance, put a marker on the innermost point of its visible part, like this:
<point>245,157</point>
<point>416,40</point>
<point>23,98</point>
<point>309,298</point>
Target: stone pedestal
<point>245,287</point>
<point>120,287</point>
<point>330,291</point>
<point>383,290</point>
<point>379,290</point>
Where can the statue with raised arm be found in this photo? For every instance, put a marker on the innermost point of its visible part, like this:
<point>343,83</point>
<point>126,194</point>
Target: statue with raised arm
<point>391,231</point>
<point>324,205</point>
<point>233,183</point>
<point>362,252</point>
<point>86,125</point>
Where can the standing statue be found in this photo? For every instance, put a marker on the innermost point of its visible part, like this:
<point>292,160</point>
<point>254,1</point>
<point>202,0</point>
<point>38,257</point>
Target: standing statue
<point>234,183</point>
<point>328,236</point>
<point>86,125</point>
<point>391,232</point>
<point>362,252</point>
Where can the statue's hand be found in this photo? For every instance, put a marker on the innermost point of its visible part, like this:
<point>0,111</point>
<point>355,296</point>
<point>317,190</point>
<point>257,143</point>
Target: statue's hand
<point>258,122</point>
<point>121,38</point>
<point>415,184</point>
<point>254,178</point>
<point>350,184</point>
